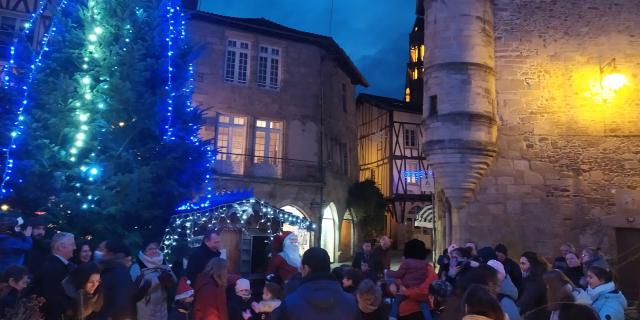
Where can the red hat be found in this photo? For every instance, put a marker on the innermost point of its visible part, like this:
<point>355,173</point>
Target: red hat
<point>184,289</point>
<point>277,245</point>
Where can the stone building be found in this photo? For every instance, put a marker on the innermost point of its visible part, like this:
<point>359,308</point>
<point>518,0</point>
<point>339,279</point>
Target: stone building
<point>532,119</point>
<point>280,108</point>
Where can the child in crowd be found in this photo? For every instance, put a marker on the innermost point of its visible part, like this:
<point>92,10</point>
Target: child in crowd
<point>240,302</point>
<point>183,300</point>
<point>412,273</point>
<point>271,299</point>
<point>351,279</point>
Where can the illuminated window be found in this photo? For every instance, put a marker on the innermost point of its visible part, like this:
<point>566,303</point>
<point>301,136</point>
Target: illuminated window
<point>422,52</point>
<point>269,67</point>
<point>268,143</point>
<point>231,139</point>
<point>413,52</point>
<point>414,74</point>
<point>407,95</point>
<point>410,174</point>
<point>237,61</point>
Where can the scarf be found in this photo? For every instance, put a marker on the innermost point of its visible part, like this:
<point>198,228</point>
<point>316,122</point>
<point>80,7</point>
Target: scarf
<point>151,262</point>
<point>596,292</point>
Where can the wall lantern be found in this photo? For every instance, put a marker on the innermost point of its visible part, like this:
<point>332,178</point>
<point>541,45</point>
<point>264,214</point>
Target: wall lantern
<point>611,80</point>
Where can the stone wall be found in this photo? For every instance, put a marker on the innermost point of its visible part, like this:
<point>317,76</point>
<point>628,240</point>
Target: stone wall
<point>568,164</point>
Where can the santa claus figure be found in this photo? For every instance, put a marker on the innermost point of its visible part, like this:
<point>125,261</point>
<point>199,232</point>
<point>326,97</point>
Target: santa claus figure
<point>285,256</point>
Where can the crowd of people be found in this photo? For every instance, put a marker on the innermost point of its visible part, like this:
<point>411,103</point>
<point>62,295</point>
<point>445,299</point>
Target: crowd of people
<point>57,278</point>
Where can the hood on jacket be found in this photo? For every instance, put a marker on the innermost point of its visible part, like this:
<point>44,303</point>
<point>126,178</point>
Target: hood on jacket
<point>508,288</point>
<point>607,292</point>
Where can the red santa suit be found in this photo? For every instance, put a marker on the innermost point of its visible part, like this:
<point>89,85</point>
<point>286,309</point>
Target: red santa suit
<point>278,264</point>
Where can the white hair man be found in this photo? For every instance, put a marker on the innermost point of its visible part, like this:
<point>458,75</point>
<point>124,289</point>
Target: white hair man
<point>56,267</point>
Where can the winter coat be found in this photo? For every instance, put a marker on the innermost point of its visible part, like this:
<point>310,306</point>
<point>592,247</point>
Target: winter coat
<point>9,297</point>
<point>416,295</point>
<point>534,299</point>
<point>382,313</point>
<point>508,296</point>
<point>35,258</point>
<point>281,268</point>
<point>13,247</point>
<point>359,258</point>
<point>153,306</point>
<point>574,274</point>
<point>48,284</point>
<point>210,300</point>
<point>236,305</point>
<point>119,291</point>
<point>81,301</point>
<point>380,260</point>
<point>513,271</point>
<point>411,273</point>
<point>608,302</point>
<point>319,297</point>
<point>198,261</point>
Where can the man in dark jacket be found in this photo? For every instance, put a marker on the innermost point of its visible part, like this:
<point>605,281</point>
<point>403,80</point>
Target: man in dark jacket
<point>362,257</point>
<point>120,293</point>
<point>41,246</point>
<point>319,295</point>
<point>209,249</point>
<point>510,266</point>
<point>56,268</point>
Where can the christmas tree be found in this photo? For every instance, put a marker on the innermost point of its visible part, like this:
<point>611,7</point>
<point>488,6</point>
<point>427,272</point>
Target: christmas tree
<point>110,142</point>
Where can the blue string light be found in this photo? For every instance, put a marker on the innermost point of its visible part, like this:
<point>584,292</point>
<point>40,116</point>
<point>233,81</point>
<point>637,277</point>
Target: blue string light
<point>24,102</point>
<point>170,11</point>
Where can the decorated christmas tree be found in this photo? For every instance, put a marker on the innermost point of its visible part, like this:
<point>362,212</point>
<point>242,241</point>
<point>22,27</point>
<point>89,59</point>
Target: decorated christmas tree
<point>107,142</point>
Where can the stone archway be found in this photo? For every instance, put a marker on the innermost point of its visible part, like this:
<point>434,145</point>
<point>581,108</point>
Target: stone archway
<point>305,237</point>
<point>330,232</point>
<point>347,235</point>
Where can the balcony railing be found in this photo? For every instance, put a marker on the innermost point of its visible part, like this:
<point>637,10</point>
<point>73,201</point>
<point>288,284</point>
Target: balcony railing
<point>233,164</point>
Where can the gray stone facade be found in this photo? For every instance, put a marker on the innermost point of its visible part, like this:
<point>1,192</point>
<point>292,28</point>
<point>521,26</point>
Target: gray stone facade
<point>568,155</point>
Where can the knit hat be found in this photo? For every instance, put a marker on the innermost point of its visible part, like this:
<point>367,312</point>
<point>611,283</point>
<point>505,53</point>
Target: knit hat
<point>243,284</point>
<point>184,289</point>
<point>277,245</point>
<point>499,267</point>
<point>487,254</point>
<point>317,259</point>
<point>501,248</point>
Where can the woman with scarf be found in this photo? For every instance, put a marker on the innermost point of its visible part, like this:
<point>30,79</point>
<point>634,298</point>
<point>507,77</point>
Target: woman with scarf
<point>151,268</point>
<point>608,301</point>
<point>82,287</point>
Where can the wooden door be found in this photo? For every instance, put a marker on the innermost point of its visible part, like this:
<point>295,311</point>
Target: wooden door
<point>628,262</point>
<point>230,242</point>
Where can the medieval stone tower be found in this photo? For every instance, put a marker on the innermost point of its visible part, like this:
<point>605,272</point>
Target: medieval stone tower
<point>532,118</point>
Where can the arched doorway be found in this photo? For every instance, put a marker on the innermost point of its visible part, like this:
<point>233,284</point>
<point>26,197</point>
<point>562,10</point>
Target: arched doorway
<point>304,236</point>
<point>329,230</point>
<point>347,235</point>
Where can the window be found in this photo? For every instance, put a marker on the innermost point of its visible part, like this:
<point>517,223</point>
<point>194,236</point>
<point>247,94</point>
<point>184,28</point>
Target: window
<point>422,52</point>
<point>407,95</point>
<point>412,174</point>
<point>344,97</point>
<point>231,137</point>
<point>414,54</point>
<point>237,61</point>
<point>268,143</point>
<point>414,73</point>
<point>269,67</point>
<point>433,106</point>
<point>410,138</point>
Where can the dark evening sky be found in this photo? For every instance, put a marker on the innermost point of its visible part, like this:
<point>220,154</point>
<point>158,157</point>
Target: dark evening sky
<point>374,33</point>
